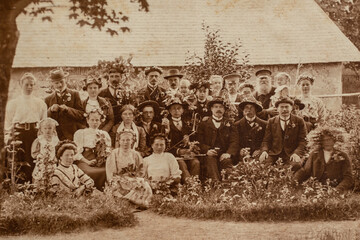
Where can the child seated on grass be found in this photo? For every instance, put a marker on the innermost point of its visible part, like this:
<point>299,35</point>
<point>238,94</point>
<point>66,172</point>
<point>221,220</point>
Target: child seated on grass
<point>67,176</point>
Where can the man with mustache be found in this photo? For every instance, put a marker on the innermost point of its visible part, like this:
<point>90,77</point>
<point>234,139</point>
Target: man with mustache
<point>284,136</point>
<point>173,79</point>
<point>232,82</point>
<point>214,138</point>
<point>264,93</point>
<point>248,132</point>
<point>153,91</point>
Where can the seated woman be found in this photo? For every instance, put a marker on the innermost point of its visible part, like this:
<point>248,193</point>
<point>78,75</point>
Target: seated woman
<point>43,149</point>
<point>67,176</point>
<point>124,170</point>
<point>161,166</point>
<point>127,113</point>
<point>94,146</point>
<point>327,159</point>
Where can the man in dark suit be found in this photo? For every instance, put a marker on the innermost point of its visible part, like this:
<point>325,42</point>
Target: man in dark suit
<point>284,136</point>
<point>153,91</point>
<point>64,105</point>
<point>115,93</point>
<point>148,110</point>
<point>264,92</point>
<point>248,132</point>
<point>214,138</point>
<point>179,134</point>
<point>201,89</point>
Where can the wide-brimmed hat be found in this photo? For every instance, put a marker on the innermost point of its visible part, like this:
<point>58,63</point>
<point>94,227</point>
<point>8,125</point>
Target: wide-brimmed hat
<point>252,101</point>
<point>299,103</point>
<point>174,100</point>
<point>234,74</point>
<point>57,75</point>
<point>153,69</point>
<point>174,73</point>
<point>151,103</point>
<point>217,100</point>
<point>305,77</point>
<point>263,72</point>
<point>90,80</point>
<point>284,100</point>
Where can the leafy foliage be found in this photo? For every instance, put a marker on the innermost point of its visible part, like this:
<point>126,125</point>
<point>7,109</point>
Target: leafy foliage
<point>219,58</point>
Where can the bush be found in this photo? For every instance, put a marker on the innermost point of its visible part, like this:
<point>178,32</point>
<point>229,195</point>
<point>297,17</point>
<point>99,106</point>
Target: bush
<point>253,191</point>
<point>24,212</point>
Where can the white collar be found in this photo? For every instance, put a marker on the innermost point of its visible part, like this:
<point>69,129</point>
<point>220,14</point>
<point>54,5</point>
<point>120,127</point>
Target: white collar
<point>176,119</point>
<point>217,119</point>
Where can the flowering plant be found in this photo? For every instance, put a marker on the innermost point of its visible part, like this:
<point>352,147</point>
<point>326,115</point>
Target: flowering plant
<point>102,150</point>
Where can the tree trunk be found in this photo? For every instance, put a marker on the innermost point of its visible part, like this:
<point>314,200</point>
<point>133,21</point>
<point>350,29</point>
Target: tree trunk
<point>9,36</point>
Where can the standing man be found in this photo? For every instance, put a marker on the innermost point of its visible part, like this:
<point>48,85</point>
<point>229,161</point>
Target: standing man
<point>284,136</point>
<point>264,92</point>
<point>173,79</point>
<point>202,95</point>
<point>64,105</point>
<point>214,138</point>
<point>153,91</point>
<point>248,132</point>
<point>22,116</point>
<point>232,82</point>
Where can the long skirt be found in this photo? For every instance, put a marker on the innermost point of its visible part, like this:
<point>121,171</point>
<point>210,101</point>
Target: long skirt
<point>98,174</point>
<point>135,189</point>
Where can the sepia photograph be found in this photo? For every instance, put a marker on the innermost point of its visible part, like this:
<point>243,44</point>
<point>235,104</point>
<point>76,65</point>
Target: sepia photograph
<point>180,119</point>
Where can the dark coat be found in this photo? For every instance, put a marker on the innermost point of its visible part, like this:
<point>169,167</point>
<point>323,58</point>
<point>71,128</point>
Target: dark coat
<point>69,120</point>
<point>108,111</point>
<point>292,141</point>
<point>202,110</point>
<point>206,135</point>
<point>336,169</point>
<point>155,127</point>
<point>175,136</point>
<point>115,104</point>
<point>158,95</point>
<point>245,136</point>
<point>265,102</point>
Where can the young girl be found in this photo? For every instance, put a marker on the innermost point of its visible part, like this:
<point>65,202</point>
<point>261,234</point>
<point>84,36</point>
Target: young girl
<point>43,149</point>
<point>67,176</point>
<point>161,165</point>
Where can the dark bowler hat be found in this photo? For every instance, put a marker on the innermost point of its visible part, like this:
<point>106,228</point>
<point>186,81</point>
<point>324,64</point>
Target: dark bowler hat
<point>230,75</point>
<point>284,100</point>
<point>153,69</point>
<point>174,73</point>
<point>91,79</point>
<point>151,103</point>
<point>216,100</point>
<point>263,72</point>
<point>252,101</point>
<point>299,103</point>
<point>57,75</point>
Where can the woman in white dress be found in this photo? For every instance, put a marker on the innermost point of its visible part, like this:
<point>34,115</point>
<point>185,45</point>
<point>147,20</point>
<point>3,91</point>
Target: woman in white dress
<point>93,148</point>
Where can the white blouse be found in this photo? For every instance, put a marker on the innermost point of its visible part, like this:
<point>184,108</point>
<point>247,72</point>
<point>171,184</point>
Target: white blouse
<point>87,138</point>
<point>160,166</point>
<point>24,109</point>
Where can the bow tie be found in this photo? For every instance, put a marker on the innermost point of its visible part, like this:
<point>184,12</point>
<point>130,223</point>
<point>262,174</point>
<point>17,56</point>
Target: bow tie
<point>176,120</point>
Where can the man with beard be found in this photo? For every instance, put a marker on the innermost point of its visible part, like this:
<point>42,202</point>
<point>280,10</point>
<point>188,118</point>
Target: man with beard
<point>214,138</point>
<point>64,105</point>
<point>284,136</point>
<point>113,93</point>
<point>173,79</point>
<point>264,93</point>
<point>153,91</point>
<point>248,132</point>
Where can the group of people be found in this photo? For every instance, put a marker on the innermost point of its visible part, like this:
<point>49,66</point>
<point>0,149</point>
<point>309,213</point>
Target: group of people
<point>135,140</point>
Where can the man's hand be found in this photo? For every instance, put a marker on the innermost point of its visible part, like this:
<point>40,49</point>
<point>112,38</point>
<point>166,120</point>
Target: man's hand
<point>264,155</point>
<point>256,153</point>
<point>212,153</point>
<point>244,152</point>
<point>63,107</point>
<point>224,156</point>
<point>54,107</point>
<point>272,111</point>
<point>184,151</point>
<point>295,158</point>
<point>166,123</point>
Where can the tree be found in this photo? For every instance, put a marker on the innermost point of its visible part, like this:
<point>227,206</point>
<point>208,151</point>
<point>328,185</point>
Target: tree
<point>93,13</point>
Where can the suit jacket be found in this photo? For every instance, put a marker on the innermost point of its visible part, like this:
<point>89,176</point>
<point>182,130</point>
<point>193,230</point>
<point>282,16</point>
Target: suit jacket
<point>155,127</point>
<point>175,136</point>
<point>158,95</point>
<point>265,102</point>
<point>69,120</point>
<point>202,110</point>
<point>108,111</point>
<point>292,141</point>
<point>339,169</point>
<point>206,135</point>
<point>115,103</point>
<point>245,136</point>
